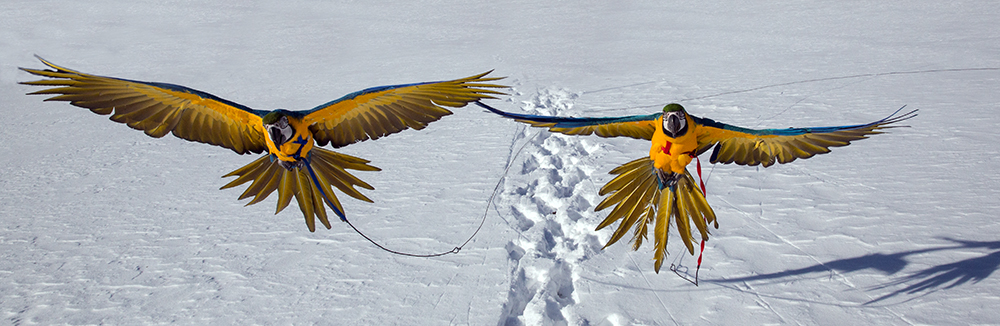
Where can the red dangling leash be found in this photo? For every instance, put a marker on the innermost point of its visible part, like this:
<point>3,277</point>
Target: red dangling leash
<point>703,193</point>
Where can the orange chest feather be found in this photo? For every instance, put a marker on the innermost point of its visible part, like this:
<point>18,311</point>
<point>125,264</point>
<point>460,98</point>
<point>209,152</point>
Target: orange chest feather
<point>673,154</point>
<point>674,147</point>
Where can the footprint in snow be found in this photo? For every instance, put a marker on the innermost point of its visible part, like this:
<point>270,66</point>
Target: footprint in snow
<point>549,199</point>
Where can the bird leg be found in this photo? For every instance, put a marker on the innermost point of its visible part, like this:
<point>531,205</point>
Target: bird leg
<point>667,179</point>
<point>291,165</point>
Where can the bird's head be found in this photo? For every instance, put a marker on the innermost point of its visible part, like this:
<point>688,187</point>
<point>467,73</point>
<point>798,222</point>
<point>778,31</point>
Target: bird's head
<point>276,124</point>
<point>674,120</point>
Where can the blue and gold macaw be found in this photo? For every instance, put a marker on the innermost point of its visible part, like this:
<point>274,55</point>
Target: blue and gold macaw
<point>294,163</point>
<point>658,190</point>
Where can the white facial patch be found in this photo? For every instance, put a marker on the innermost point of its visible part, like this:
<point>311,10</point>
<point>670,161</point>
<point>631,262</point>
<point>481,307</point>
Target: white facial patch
<point>280,131</point>
<point>674,122</point>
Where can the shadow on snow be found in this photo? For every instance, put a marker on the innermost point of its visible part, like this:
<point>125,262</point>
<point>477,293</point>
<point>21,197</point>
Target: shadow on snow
<point>943,276</point>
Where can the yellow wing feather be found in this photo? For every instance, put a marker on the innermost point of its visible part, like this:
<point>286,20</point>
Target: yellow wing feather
<point>639,126</point>
<point>380,111</point>
<point>769,146</point>
<point>633,129</point>
<point>157,108</point>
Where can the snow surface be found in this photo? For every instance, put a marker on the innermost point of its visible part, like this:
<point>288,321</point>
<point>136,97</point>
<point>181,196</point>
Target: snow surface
<point>103,225</point>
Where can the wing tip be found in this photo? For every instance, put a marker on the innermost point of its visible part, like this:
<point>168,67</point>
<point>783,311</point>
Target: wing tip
<point>482,76</point>
<point>892,118</point>
<point>50,64</point>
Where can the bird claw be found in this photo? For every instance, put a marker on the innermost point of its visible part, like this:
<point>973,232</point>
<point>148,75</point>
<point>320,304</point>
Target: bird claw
<point>667,179</point>
<point>291,165</point>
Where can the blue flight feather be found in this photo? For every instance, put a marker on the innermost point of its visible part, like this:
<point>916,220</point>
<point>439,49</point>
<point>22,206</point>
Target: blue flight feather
<point>359,93</point>
<point>796,131</point>
<point>569,122</point>
<point>182,89</point>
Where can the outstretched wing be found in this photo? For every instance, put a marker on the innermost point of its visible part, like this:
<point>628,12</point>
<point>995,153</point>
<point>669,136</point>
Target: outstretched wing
<point>636,126</point>
<point>157,108</point>
<point>765,147</point>
<point>379,111</point>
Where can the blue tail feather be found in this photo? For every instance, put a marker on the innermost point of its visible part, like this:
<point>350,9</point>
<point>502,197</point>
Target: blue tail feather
<point>322,191</point>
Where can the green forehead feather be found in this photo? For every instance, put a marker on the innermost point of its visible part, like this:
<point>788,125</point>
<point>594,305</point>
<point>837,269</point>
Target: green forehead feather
<point>673,107</point>
<point>272,117</point>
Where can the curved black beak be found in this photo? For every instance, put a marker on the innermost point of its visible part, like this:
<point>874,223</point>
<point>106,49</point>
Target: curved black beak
<point>674,124</point>
<point>276,135</point>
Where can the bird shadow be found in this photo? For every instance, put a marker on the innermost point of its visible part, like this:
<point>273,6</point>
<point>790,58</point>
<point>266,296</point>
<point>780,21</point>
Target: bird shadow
<point>945,276</point>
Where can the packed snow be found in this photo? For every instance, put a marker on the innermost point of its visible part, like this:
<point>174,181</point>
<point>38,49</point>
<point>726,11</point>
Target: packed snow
<point>100,224</point>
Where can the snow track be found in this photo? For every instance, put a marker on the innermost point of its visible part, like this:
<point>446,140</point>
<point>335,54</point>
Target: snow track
<point>546,198</point>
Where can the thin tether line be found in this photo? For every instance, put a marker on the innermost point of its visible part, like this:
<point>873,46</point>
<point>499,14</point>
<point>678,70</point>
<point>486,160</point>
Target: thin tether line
<point>481,222</point>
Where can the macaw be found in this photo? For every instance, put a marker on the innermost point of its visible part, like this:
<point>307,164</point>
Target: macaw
<point>658,189</point>
<point>294,162</point>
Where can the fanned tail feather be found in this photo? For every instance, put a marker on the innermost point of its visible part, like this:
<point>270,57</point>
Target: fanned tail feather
<point>663,210</point>
<point>638,201</point>
<point>311,184</point>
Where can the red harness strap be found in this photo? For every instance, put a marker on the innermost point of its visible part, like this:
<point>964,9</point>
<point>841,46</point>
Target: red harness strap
<point>700,180</point>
